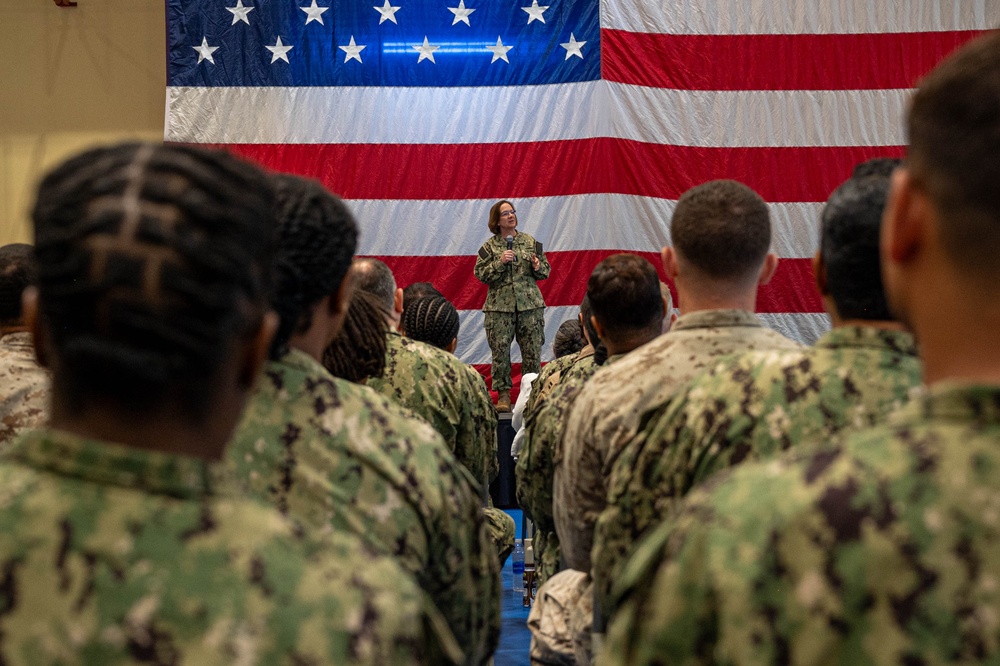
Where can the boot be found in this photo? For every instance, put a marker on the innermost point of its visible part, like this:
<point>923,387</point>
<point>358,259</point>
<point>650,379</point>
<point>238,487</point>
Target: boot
<point>503,401</point>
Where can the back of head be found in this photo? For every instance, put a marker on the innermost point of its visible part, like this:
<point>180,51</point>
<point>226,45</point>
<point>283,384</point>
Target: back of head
<point>568,338</point>
<point>722,228</point>
<point>849,242</point>
<point>17,272</point>
<point>153,261</point>
<point>373,276</point>
<point>624,295</point>
<point>954,143</point>
<point>431,319</point>
<point>317,237</point>
<point>358,351</point>
<point>417,290</point>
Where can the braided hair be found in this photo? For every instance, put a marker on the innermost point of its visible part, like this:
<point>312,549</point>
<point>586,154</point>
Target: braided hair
<point>17,272</point>
<point>358,351</point>
<point>317,237</point>
<point>151,261</point>
<point>431,319</point>
<point>569,338</point>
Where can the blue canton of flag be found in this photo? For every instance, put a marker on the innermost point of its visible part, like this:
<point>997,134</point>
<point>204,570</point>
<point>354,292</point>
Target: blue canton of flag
<point>394,43</point>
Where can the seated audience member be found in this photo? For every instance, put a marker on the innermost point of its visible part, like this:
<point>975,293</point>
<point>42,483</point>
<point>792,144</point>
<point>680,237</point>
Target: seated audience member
<point>551,373</point>
<point>569,338</point>
<point>120,543</point>
<point>628,309</point>
<point>880,548</point>
<point>358,351</point>
<point>757,404</point>
<point>333,455</point>
<point>431,319</point>
<point>419,290</point>
<point>443,391</point>
<point>24,385</point>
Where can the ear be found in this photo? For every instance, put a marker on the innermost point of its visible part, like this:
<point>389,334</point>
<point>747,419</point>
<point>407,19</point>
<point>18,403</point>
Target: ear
<point>598,328</point>
<point>768,269</point>
<point>29,311</point>
<point>256,349</point>
<point>903,222</point>
<point>397,301</point>
<point>452,345</point>
<point>669,258</point>
<point>819,273</point>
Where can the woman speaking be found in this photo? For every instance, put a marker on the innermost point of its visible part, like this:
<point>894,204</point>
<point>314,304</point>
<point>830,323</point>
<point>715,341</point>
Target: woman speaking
<point>510,264</point>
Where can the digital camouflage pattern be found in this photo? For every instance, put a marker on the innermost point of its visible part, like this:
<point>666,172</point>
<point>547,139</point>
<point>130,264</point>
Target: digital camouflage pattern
<point>535,468</point>
<point>115,555</point>
<point>24,387</point>
<point>548,377</point>
<point>882,550</point>
<point>337,456</point>
<point>746,407</point>
<point>513,287</point>
<point>605,416</point>
<point>501,528</point>
<point>501,329</point>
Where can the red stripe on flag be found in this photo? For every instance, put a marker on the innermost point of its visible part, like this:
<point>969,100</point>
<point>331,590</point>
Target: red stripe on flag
<point>791,290</point>
<point>554,168</point>
<point>775,62</point>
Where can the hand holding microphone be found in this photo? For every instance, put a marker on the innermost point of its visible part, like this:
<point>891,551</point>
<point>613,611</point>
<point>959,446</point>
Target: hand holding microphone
<point>508,255</point>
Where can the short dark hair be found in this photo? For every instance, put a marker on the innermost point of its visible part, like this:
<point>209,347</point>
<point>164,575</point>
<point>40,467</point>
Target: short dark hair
<point>494,222</point>
<point>568,339</point>
<point>723,228</point>
<point>954,143</point>
<point>152,261</point>
<point>418,289</point>
<point>624,294</point>
<point>358,351</point>
<point>375,277</point>
<point>586,313</point>
<point>431,319</point>
<point>849,242</point>
<point>317,237</point>
<point>17,272</point>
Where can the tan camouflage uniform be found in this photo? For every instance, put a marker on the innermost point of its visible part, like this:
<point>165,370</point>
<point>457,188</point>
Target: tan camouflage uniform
<point>337,456</point>
<point>882,550</point>
<point>452,397</point>
<point>543,430</point>
<point>514,305</point>
<point>749,406</point>
<point>116,555</point>
<point>24,387</point>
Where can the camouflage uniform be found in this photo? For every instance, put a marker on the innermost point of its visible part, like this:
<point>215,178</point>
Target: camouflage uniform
<point>115,555</point>
<point>514,305</point>
<point>535,471</point>
<point>549,377</point>
<point>24,387</point>
<point>335,455</point>
<point>452,397</point>
<point>753,405</point>
<point>606,414</point>
<point>881,550</point>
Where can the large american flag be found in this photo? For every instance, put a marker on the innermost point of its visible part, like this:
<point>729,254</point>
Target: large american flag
<point>593,118</point>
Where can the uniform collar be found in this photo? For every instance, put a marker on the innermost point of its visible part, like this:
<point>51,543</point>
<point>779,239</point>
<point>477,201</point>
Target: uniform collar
<point>19,341</point>
<point>715,319</point>
<point>978,404</point>
<point>900,342</point>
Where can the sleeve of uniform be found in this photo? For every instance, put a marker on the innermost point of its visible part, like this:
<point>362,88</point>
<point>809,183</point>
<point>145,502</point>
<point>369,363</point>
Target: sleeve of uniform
<point>489,268</point>
<point>574,458</point>
<point>543,267</point>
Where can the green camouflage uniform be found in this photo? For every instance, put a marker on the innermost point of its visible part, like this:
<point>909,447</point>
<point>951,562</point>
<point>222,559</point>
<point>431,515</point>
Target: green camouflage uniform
<point>115,555</point>
<point>749,406</point>
<point>24,387</point>
<point>514,305</point>
<point>548,378</point>
<point>452,397</point>
<point>335,455</point>
<point>606,414</point>
<point>543,431</point>
<point>881,550</point>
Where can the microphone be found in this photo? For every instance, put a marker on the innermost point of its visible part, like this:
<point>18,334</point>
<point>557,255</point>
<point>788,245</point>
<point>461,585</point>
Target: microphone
<point>510,242</point>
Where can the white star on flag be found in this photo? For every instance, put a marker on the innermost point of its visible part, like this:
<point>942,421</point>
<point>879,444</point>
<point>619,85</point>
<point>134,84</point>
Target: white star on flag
<point>279,51</point>
<point>314,12</point>
<point>388,13</point>
<point>352,50</point>
<point>205,51</point>
<point>426,50</point>
<point>535,11</point>
<point>573,47</point>
<point>240,12</point>
<point>499,51</point>
<point>461,13</point>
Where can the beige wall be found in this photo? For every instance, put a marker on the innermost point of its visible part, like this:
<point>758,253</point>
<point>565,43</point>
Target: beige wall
<point>70,78</point>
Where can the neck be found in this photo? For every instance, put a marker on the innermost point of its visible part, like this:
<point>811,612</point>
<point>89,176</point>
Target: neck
<point>13,328</point>
<point>633,340</point>
<point>693,300</point>
<point>313,342</point>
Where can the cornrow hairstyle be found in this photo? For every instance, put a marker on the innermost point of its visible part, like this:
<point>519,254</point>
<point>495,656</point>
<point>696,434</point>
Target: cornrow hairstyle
<point>418,289</point>
<point>431,319</point>
<point>358,351</point>
<point>151,261</point>
<point>568,338</point>
<point>317,237</point>
<point>17,272</point>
